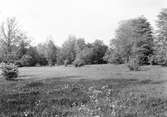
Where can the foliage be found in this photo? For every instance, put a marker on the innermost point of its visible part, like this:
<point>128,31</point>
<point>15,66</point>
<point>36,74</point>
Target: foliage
<point>87,54</point>
<point>11,35</point>
<point>9,71</point>
<point>52,52</point>
<point>79,46</point>
<point>19,63</point>
<point>49,51</point>
<point>66,62</point>
<point>113,57</point>
<point>134,37</point>
<point>33,55</point>
<point>78,63</point>
<point>42,60</point>
<point>60,57</point>
<point>133,64</point>
<point>161,41</point>
<point>91,53</point>
<point>27,60</point>
<point>23,46</point>
<point>99,49</point>
<point>68,50</point>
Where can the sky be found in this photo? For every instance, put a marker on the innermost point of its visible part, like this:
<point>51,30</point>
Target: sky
<point>88,19</point>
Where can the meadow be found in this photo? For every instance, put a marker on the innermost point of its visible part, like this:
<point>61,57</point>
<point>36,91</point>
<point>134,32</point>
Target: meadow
<point>89,91</point>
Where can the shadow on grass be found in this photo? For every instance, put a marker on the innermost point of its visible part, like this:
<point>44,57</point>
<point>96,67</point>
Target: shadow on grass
<point>62,78</point>
<point>148,81</point>
<point>26,76</point>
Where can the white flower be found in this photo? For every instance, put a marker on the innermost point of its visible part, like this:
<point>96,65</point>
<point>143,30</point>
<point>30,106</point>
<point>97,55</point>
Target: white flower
<point>26,114</point>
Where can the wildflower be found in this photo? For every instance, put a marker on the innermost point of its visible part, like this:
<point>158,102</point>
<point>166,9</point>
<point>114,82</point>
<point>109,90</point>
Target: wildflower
<point>104,87</point>
<point>26,114</point>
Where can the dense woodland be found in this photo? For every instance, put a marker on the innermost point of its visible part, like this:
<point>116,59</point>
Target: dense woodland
<point>134,39</point>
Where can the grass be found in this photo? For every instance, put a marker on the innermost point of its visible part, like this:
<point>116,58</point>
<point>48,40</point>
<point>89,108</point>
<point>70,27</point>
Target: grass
<point>96,90</point>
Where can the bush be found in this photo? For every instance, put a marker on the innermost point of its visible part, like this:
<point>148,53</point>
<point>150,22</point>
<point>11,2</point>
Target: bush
<point>114,58</point>
<point>9,71</point>
<point>19,63</point>
<point>27,60</point>
<point>133,64</point>
<point>79,63</point>
<point>42,60</point>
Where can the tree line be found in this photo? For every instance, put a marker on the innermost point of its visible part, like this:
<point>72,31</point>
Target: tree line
<point>134,39</point>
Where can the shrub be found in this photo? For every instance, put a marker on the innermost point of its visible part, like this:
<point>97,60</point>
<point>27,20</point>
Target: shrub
<point>9,71</point>
<point>27,60</point>
<point>79,63</point>
<point>42,60</point>
<point>133,64</point>
<point>19,63</point>
<point>114,58</point>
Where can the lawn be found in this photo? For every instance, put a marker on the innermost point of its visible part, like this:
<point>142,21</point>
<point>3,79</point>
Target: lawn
<point>89,91</point>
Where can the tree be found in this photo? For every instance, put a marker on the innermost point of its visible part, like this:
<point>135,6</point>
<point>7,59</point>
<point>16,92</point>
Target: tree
<point>60,57</point>
<point>134,38</point>
<point>27,60</point>
<point>99,49</point>
<point>49,51</point>
<point>161,42</point>
<point>33,54</point>
<point>79,46</point>
<point>87,54</point>
<point>9,37</point>
<point>68,49</point>
<point>23,46</point>
<point>111,56</point>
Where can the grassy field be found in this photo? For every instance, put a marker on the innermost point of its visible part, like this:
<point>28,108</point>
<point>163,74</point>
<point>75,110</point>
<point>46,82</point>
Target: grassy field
<point>89,91</point>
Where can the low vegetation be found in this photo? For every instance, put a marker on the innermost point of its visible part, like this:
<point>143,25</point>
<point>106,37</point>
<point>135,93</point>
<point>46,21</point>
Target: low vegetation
<point>107,93</point>
<point>9,71</point>
<point>78,63</point>
<point>82,98</point>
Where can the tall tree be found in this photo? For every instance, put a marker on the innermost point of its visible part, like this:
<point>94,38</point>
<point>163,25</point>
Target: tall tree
<point>87,54</point>
<point>49,51</point>
<point>68,49</point>
<point>134,39</point>
<point>9,36</point>
<point>22,46</point>
<point>79,46</point>
<point>33,55</point>
<point>161,42</point>
<point>99,50</point>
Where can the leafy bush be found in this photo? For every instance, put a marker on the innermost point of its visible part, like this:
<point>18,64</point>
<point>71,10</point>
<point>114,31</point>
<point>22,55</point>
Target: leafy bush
<point>19,63</point>
<point>113,57</point>
<point>42,60</point>
<point>79,63</point>
<point>158,60</point>
<point>27,60</point>
<point>133,64</point>
<point>9,71</point>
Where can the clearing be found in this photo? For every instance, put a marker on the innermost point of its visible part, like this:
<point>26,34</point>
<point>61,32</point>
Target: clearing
<point>89,91</point>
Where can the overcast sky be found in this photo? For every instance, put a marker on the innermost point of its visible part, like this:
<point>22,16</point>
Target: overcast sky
<point>89,19</point>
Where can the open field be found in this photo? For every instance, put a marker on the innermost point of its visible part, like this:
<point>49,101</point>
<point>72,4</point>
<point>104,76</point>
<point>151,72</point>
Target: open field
<point>89,91</point>
<point>107,71</point>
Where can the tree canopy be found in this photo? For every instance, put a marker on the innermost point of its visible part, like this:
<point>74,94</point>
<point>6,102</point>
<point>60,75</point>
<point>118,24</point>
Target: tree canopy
<point>134,39</point>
